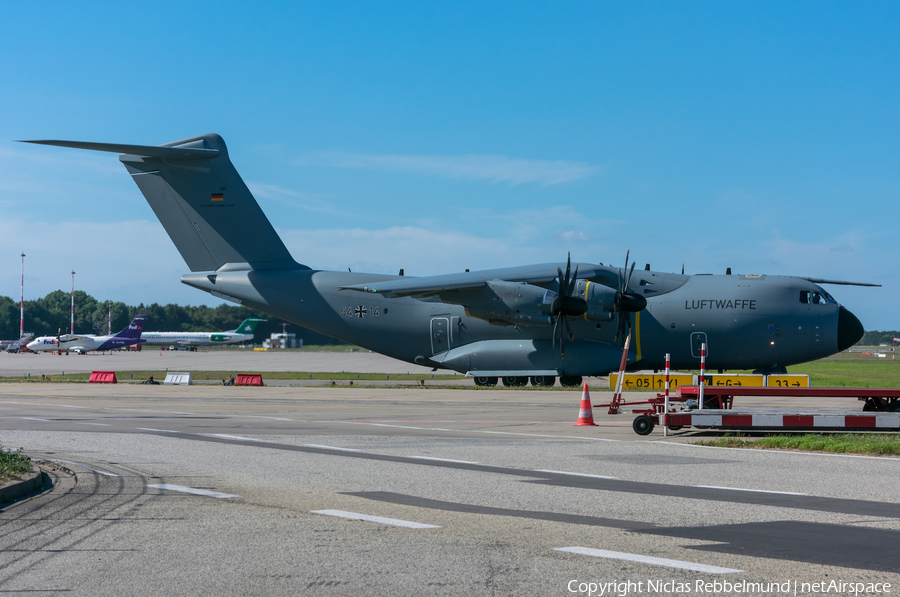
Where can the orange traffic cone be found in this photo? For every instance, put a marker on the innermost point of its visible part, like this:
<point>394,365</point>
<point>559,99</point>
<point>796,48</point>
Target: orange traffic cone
<point>585,414</point>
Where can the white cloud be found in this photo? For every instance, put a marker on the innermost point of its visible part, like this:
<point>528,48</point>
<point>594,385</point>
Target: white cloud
<point>419,251</point>
<point>494,168</point>
<point>310,201</point>
<point>132,261</point>
<point>572,236</point>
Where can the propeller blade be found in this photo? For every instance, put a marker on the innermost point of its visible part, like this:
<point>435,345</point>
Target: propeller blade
<point>571,288</point>
<point>568,268</point>
<point>555,326</point>
<point>628,280</point>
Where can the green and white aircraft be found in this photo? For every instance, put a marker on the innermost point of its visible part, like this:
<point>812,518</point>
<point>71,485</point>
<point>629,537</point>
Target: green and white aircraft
<point>538,321</point>
<point>243,333</point>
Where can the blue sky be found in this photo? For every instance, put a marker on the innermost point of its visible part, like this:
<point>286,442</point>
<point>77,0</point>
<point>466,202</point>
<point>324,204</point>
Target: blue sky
<point>442,136</point>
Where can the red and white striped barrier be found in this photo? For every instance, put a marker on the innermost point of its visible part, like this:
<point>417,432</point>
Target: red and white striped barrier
<point>787,420</point>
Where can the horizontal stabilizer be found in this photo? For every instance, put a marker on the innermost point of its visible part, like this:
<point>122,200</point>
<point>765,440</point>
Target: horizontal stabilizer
<point>202,202</point>
<point>149,151</point>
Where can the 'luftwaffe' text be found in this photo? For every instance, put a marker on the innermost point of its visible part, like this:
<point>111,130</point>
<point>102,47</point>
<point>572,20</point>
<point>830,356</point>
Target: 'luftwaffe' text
<point>721,304</point>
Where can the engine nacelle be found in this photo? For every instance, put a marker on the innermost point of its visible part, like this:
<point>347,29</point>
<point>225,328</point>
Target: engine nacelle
<point>600,299</point>
<point>509,302</point>
<point>516,303</point>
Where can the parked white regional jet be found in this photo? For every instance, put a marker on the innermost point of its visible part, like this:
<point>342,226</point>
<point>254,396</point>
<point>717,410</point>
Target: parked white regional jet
<point>244,333</point>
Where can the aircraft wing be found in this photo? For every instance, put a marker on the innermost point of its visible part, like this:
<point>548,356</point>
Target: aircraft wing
<point>841,282</point>
<point>73,338</point>
<point>537,275</point>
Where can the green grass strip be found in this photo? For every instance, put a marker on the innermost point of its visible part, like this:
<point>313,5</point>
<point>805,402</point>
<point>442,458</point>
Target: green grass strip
<point>839,443</point>
<point>13,464</point>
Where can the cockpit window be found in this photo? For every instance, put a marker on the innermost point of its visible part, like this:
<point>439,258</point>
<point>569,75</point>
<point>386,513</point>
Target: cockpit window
<point>818,297</point>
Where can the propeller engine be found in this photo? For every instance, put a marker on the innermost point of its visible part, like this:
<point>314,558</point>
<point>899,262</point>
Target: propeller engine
<point>566,305</point>
<point>626,302</point>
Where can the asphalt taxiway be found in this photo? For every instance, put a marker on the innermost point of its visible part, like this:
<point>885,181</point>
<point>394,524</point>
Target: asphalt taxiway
<point>411,491</point>
<point>226,360</point>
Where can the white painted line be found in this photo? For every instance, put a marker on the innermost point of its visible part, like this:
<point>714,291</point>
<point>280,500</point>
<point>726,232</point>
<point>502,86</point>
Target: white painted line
<point>34,419</point>
<point>386,425</point>
<point>91,469</point>
<point>329,447</point>
<point>633,557</point>
<point>97,424</point>
<point>444,459</point>
<point>144,410</point>
<point>193,490</point>
<point>68,406</point>
<point>593,439</point>
<point>270,418</point>
<point>379,519</point>
<point>247,439</point>
<point>542,470</point>
<point>754,490</point>
<point>160,430</point>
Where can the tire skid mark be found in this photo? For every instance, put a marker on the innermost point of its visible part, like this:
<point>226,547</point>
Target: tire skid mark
<point>71,535</point>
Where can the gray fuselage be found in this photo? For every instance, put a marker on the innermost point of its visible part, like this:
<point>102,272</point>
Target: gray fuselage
<point>747,322</point>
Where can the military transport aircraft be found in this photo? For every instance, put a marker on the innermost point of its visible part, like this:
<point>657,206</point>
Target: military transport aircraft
<point>537,321</point>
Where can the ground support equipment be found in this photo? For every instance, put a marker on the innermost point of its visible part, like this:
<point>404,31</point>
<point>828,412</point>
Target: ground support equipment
<point>881,411</point>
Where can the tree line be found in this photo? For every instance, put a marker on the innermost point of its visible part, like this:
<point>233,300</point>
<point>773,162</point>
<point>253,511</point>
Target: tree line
<point>878,338</point>
<point>49,315</point>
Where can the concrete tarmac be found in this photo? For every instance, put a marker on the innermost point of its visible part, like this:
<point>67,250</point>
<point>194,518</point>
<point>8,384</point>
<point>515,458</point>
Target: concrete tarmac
<point>324,491</point>
<point>227,360</point>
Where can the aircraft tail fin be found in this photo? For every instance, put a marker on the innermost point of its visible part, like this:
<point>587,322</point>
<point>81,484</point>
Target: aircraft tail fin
<point>201,200</point>
<point>134,328</point>
<point>248,326</point>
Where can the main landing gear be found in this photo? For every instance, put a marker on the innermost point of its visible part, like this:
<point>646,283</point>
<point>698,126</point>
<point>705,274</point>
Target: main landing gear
<point>538,381</point>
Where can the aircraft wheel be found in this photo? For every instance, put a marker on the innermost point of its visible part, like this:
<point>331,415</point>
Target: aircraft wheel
<point>543,381</point>
<point>510,381</point>
<point>642,425</point>
<point>570,381</point>
<point>485,381</point>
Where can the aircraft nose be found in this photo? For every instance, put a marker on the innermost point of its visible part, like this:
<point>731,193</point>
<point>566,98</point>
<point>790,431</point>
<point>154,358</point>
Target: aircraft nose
<point>850,329</point>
